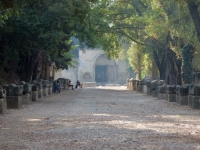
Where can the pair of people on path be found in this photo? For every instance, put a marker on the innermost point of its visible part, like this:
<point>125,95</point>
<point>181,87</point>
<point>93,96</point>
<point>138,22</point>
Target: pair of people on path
<point>57,86</point>
<point>78,84</point>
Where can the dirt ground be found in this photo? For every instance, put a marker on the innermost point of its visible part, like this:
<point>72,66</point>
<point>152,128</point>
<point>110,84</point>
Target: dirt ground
<point>101,118</point>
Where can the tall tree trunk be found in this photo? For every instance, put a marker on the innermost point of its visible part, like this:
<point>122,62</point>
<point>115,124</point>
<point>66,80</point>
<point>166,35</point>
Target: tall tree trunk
<point>193,9</point>
<point>154,71</point>
<point>38,66</point>
<point>170,72</point>
<point>28,70</point>
<point>167,66</point>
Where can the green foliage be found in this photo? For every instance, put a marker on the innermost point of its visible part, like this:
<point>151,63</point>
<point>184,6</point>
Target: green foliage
<point>139,60</point>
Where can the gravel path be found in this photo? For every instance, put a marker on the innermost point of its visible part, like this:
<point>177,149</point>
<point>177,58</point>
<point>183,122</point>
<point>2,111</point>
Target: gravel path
<point>101,118</point>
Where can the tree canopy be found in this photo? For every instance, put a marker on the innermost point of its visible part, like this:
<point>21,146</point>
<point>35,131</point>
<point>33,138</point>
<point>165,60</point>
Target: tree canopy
<point>34,33</point>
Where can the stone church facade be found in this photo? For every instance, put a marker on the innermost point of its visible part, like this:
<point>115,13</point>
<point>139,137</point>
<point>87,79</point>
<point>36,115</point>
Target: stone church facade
<point>94,66</point>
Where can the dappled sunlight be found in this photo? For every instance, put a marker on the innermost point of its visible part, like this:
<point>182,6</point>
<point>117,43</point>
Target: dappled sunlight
<point>34,119</point>
<point>107,115</point>
<point>112,87</point>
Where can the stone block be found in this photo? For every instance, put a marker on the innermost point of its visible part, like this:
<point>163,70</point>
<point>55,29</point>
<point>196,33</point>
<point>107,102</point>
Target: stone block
<point>196,90</point>
<point>148,90</point>
<point>45,91</point>
<point>144,89</point>
<point>40,93</point>
<point>183,100</point>
<point>154,93</point>
<point>148,83</point>
<point>140,88</point>
<point>3,106</point>
<point>171,89</point>
<point>50,90</point>
<point>34,88</point>
<point>190,99</point>
<point>2,93</point>
<point>183,90</point>
<point>161,83</point>
<point>191,89</point>
<point>171,97</point>
<point>26,98</point>
<point>14,90</point>
<point>45,83</point>
<point>162,96</point>
<point>162,89</point>
<point>194,102</point>
<point>127,83</point>
<point>134,85</point>
<point>154,84</point>
<point>89,84</point>
<point>130,84</point>
<point>27,88</point>
<point>14,102</point>
<point>177,98</point>
<point>34,95</point>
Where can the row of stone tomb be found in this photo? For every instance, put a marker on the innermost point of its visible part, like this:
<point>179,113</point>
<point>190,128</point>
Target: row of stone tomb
<point>187,94</point>
<point>13,96</point>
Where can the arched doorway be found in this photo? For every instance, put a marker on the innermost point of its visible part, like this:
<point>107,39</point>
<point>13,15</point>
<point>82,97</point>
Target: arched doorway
<point>105,70</point>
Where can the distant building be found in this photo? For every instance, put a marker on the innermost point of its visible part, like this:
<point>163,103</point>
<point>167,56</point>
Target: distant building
<point>94,66</point>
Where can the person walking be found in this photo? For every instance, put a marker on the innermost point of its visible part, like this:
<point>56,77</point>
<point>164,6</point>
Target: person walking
<point>58,87</point>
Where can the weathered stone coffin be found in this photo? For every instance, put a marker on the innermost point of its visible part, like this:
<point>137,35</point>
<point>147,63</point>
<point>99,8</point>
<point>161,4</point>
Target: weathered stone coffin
<point>154,88</point>
<point>14,102</point>
<point>14,90</point>
<point>27,98</point>
<point>196,78</point>
<point>127,83</point>
<point>148,84</point>
<point>141,83</point>
<point>183,95</point>
<point>34,88</point>
<point>27,89</point>
<point>194,100</point>
<point>50,90</point>
<point>14,96</point>
<point>2,93</point>
<point>162,90</point>
<point>3,106</point>
<point>3,102</point>
<point>134,82</point>
<point>34,93</point>
<point>40,93</point>
<point>131,84</point>
<point>171,93</point>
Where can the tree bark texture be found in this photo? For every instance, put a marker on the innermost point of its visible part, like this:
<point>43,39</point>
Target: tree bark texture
<point>193,9</point>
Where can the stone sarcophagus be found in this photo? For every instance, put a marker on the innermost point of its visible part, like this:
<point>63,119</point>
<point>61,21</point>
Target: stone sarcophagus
<point>14,96</point>
<point>154,88</point>
<point>141,83</point>
<point>45,87</point>
<point>39,88</point>
<point>148,84</point>
<point>34,93</point>
<point>162,90</point>
<point>171,93</point>
<point>3,102</point>
<point>194,96</point>
<point>27,93</point>
<point>131,84</point>
<point>183,95</point>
